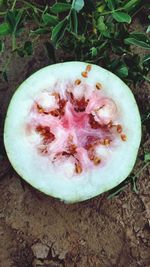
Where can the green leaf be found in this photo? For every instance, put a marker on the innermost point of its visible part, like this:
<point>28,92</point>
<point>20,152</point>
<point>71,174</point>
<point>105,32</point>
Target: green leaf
<point>28,48</point>
<point>59,31</point>
<point>19,19</point>
<point>94,51</point>
<point>140,36</point>
<point>49,19</point>
<point>148,29</point>
<point>14,18</point>
<point>114,64</point>
<point>146,58</point>
<point>121,17</point>
<point>50,51</point>
<point>11,20</point>
<point>5,77</point>
<point>133,41</point>
<point>106,34</point>
<point>130,4</point>
<point>118,67</point>
<point>40,31</point>
<point>101,8</point>
<point>111,4</point>
<point>100,24</point>
<point>4,29</point>
<point>77,5</point>
<point>147,156</point>
<point>60,7</point>
<point>74,21</point>
<point>1,46</point>
<point>122,71</point>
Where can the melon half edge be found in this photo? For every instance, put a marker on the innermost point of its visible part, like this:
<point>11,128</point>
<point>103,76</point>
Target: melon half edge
<point>37,170</point>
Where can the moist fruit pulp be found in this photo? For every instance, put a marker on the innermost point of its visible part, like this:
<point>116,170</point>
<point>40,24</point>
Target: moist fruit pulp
<point>72,126</point>
<point>73,131</point>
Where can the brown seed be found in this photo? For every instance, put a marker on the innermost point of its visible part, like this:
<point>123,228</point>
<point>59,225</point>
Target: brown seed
<point>77,82</point>
<point>84,74</point>
<point>88,68</point>
<point>119,128</point>
<point>57,96</point>
<point>106,142</point>
<point>91,153</point>
<point>78,168</point>
<point>102,142</point>
<point>97,161</point>
<point>43,131</point>
<point>55,113</point>
<point>40,109</point>
<point>109,125</point>
<point>43,149</point>
<point>39,128</point>
<point>72,148</point>
<point>123,137</point>
<point>98,86</point>
<point>70,138</point>
<point>91,157</point>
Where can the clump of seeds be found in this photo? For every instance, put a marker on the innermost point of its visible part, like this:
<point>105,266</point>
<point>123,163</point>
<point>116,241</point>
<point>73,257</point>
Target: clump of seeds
<point>79,107</point>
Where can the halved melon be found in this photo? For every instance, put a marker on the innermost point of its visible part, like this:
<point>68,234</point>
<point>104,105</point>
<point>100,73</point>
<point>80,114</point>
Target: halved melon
<point>73,131</point>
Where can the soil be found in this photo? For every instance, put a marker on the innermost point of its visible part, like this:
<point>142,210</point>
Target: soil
<point>40,231</point>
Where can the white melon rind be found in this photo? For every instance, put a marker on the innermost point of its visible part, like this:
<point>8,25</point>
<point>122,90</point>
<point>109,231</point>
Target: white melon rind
<point>37,170</point>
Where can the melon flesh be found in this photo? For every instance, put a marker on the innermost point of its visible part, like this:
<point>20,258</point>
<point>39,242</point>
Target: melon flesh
<point>70,136</point>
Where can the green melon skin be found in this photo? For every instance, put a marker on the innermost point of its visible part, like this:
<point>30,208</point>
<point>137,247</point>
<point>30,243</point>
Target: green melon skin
<point>36,170</point>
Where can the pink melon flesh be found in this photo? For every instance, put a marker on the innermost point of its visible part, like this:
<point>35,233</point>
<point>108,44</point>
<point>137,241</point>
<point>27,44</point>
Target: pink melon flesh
<point>72,126</point>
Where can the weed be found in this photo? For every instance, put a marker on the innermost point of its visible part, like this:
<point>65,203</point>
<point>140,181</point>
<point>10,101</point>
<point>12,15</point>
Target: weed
<point>97,32</point>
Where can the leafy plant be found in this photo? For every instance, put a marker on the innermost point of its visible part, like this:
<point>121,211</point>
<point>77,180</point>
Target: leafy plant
<point>94,31</point>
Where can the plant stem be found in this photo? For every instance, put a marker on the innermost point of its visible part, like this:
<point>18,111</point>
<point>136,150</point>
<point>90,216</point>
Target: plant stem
<point>146,78</point>
<point>31,6</point>
<point>13,6</point>
<point>115,193</point>
<point>2,13</point>
<point>13,42</point>
<point>143,168</point>
<point>6,64</point>
<point>147,117</point>
<point>137,11</point>
<point>112,11</point>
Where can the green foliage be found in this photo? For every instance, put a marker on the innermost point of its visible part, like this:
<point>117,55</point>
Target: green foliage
<point>147,156</point>
<point>138,39</point>
<point>121,17</point>
<point>60,8</point>
<point>1,46</point>
<point>59,30</point>
<point>14,20</point>
<point>94,31</point>
<point>4,29</point>
<point>49,19</point>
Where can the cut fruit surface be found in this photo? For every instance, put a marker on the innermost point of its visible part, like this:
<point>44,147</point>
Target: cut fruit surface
<point>73,131</point>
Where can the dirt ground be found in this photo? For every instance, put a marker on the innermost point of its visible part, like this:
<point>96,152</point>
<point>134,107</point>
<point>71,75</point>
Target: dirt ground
<point>40,231</point>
